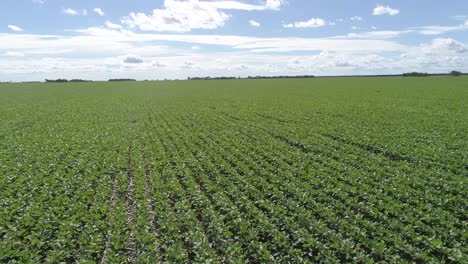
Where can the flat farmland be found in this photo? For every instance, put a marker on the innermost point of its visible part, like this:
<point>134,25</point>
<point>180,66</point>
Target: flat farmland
<point>235,171</point>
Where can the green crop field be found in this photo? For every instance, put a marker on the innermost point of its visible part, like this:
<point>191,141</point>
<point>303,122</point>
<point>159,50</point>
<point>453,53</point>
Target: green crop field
<point>260,171</point>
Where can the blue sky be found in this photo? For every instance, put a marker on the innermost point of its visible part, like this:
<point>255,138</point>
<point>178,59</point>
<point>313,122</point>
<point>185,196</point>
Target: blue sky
<point>157,39</point>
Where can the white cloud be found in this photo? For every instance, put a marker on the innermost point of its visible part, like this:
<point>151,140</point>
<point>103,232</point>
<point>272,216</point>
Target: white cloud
<point>356,18</point>
<point>112,25</point>
<point>39,2</point>
<point>445,45</point>
<point>101,42</point>
<point>274,4</point>
<point>376,34</point>
<point>158,64</point>
<point>84,12</point>
<point>179,17</point>
<point>437,30</point>
<point>13,54</point>
<point>237,42</point>
<point>254,23</point>
<point>440,55</point>
<point>311,23</point>
<point>132,60</point>
<point>98,11</point>
<point>104,52</point>
<point>232,64</point>
<point>196,48</point>
<point>239,67</point>
<point>237,5</point>
<point>15,28</point>
<point>385,10</point>
<point>69,11</point>
<point>183,16</point>
<point>189,65</point>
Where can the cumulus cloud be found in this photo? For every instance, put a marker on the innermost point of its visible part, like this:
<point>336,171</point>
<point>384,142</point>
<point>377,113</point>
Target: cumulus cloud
<point>112,25</point>
<point>385,10</point>
<point>254,23</point>
<point>311,23</point>
<point>98,11</point>
<point>360,53</point>
<point>132,60</point>
<point>274,4</point>
<point>183,16</point>
<point>446,45</point>
<point>15,28</point>
<point>440,55</point>
<point>236,63</point>
<point>70,12</point>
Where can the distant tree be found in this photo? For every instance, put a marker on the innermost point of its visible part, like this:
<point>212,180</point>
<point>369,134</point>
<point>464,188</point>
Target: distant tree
<point>57,81</point>
<point>122,80</point>
<point>79,80</point>
<point>455,73</point>
<point>415,74</point>
<point>250,77</point>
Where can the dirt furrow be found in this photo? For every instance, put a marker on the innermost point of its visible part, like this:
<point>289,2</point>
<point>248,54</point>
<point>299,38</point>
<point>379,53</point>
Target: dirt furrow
<point>130,201</point>
<point>112,202</point>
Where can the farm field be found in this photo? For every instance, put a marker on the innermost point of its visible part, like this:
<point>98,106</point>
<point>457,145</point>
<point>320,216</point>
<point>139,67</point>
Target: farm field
<point>236,171</point>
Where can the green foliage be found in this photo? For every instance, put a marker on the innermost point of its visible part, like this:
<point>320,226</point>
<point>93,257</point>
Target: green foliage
<point>415,74</point>
<point>456,73</point>
<point>358,170</point>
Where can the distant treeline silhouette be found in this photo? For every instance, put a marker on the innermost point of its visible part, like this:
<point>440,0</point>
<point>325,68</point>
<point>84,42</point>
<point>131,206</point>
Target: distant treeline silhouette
<point>65,80</point>
<point>408,74</point>
<point>212,78</point>
<point>281,77</point>
<point>56,81</point>
<point>456,73</point>
<point>425,74</point>
<point>415,74</point>
<point>251,77</point>
<point>122,80</point>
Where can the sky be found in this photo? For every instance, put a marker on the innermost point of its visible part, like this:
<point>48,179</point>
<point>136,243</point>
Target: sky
<point>175,39</point>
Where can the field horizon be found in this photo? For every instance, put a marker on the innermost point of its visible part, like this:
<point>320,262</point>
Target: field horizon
<point>223,78</point>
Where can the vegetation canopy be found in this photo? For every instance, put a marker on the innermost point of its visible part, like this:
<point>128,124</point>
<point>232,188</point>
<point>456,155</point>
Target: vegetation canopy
<point>352,170</point>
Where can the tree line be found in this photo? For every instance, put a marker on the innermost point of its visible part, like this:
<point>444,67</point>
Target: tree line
<point>80,80</point>
<point>65,80</point>
<point>425,74</point>
<point>250,77</point>
<point>408,74</point>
